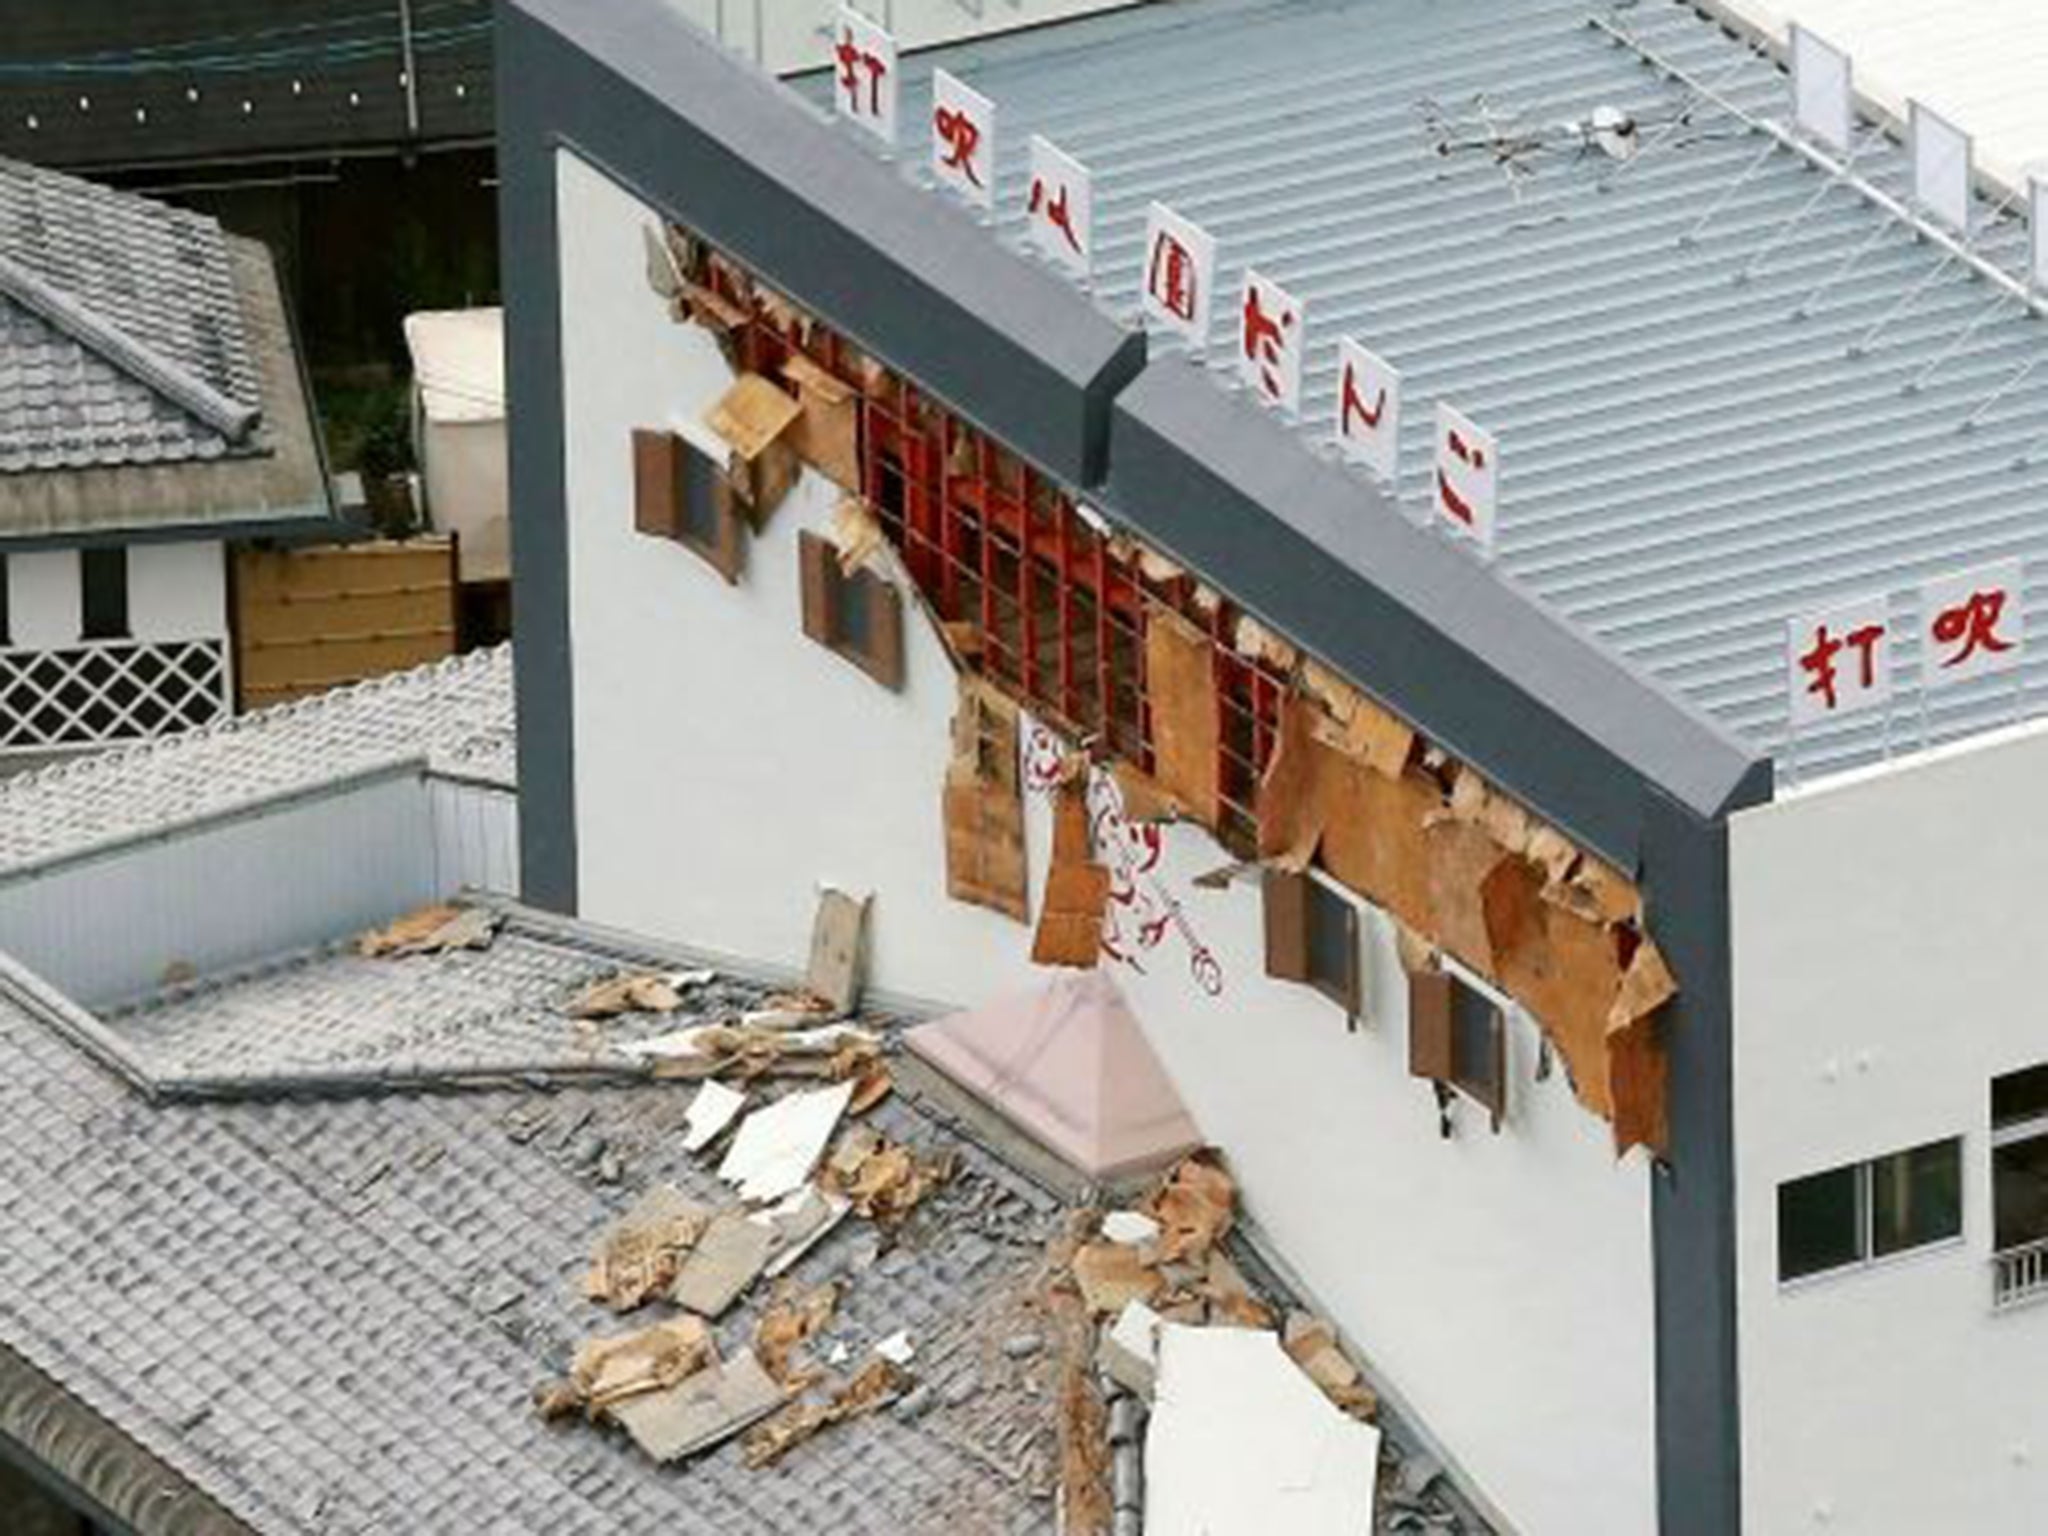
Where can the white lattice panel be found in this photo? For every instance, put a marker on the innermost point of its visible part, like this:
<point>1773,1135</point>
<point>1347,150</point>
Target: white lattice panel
<point>112,691</point>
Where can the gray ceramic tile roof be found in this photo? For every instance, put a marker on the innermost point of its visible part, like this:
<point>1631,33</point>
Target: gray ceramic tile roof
<point>119,320</point>
<point>457,714</point>
<point>328,1313</point>
<point>1686,464</point>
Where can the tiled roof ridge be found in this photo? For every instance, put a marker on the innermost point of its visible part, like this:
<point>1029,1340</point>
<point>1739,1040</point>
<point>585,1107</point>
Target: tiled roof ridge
<point>334,698</point>
<point>232,419</point>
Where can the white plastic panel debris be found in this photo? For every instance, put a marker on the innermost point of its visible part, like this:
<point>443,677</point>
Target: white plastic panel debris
<point>1243,1444</point>
<point>711,1111</point>
<point>778,1146</point>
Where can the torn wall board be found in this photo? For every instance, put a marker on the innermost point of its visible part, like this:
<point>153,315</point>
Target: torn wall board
<point>826,435</point>
<point>753,417</point>
<point>702,1410</point>
<point>778,1146</point>
<point>728,1258</point>
<point>1076,889</point>
<point>711,1111</point>
<point>838,948</point>
<point>1187,725</point>
<point>984,805</point>
<point>1242,1443</point>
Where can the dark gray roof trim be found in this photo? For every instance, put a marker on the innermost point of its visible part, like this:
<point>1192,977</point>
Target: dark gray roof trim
<point>1322,557</point>
<point>745,163</point>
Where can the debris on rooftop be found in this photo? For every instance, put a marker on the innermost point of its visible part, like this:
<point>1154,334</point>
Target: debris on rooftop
<point>704,1409</point>
<point>711,1111</point>
<point>636,992</point>
<point>877,1383</point>
<point>778,1145</point>
<point>728,1258</point>
<point>1240,1441</point>
<point>432,931</point>
<point>640,1256</point>
<point>838,949</point>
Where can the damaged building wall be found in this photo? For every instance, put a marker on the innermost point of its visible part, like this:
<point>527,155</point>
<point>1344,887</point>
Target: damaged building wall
<point>1492,1278</point>
<point>1887,971</point>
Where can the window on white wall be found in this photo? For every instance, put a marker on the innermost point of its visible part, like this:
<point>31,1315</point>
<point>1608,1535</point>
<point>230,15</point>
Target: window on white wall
<point>1457,1037</point>
<point>2019,1158</point>
<point>1312,937</point>
<point>680,494</point>
<point>103,593</point>
<point>1851,1216</point>
<point>854,613</point>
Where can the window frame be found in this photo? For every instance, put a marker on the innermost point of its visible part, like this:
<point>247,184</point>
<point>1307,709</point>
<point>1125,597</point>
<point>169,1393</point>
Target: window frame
<point>1434,1041</point>
<point>1291,900</point>
<point>671,474</point>
<point>827,590</point>
<point>1868,1258</point>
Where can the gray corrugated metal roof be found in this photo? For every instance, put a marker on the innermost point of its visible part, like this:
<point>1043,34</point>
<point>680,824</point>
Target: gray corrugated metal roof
<point>1687,465</point>
<point>458,714</point>
<point>142,337</point>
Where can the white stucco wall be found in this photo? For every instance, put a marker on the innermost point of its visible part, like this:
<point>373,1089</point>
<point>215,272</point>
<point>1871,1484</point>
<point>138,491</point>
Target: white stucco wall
<point>1888,943</point>
<point>175,592</point>
<point>725,764</point>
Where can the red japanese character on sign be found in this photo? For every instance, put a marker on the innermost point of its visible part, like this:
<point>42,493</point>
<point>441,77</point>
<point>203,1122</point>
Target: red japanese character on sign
<point>1467,474</point>
<point>1180,264</point>
<point>1819,662</point>
<point>1368,409</point>
<point>1973,623</point>
<point>963,134</point>
<point>1061,207</point>
<point>866,57</point>
<point>1270,341</point>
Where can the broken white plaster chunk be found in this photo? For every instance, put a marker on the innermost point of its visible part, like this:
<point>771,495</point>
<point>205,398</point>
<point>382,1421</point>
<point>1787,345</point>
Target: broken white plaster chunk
<point>897,1348</point>
<point>840,1353</point>
<point>1129,1353</point>
<point>711,1111</point>
<point>1241,1440</point>
<point>677,1044</point>
<point>1134,1228</point>
<point>778,1145</point>
<point>682,981</point>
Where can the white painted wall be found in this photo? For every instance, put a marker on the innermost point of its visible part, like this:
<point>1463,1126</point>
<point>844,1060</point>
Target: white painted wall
<point>788,35</point>
<point>724,764</point>
<point>43,601</point>
<point>1888,943</point>
<point>175,592</point>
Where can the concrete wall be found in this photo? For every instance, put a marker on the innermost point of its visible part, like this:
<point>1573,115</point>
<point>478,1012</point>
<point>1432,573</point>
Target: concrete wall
<point>476,836</point>
<point>725,765</point>
<point>1888,943</point>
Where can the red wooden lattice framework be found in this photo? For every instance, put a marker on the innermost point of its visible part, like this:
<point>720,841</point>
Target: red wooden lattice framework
<point>1050,606</point>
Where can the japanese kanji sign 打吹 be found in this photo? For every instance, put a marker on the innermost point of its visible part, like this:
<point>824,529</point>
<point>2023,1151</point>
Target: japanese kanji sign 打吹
<point>1368,409</point>
<point>1467,490</point>
<point>1061,206</point>
<point>864,74</point>
<point>1179,275</point>
<point>1839,662</point>
<point>963,140</point>
<point>1972,624</point>
<point>1270,341</point>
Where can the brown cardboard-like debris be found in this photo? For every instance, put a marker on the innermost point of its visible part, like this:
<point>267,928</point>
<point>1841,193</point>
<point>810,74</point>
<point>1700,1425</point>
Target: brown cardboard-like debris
<point>703,1410</point>
<point>856,535</point>
<point>728,1258</point>
<point>838,949</point>
<point>1639,1067</point>
<point>1555,853</point>
<point>873,1085</point>
<point>431,931</point>
<point>626,993</point>
<point>608,1370</point>
<point>638,1257</point>
<point>1462,857</point>
<point>1229,1298</point>
<point>1180,685</point>
<point>984,804</point>
<point>791,1318</point>
<point>1376,838</point>
<point>1076,889</point>
<point>1289,811</point>
<point>1195,1208</point>
<point>1569,982</point>
<point>1417,954</point>
<point>1356,726</point>
<point>883,1180</point>
<point>1609,894</point>
<point>876,1383</point>
<point>745,1052</point>
<point>1110,1276</point>
<point>1646,986</point>
<point>1312,1345</point>
<point>1509,901</point>
<point>1156,568</point>
<point>1087,1500</point>
<point>826,435</point>
<point>752,415</point>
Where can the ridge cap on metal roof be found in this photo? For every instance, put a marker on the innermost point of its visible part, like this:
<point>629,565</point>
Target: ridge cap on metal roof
<point>232,419</point>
